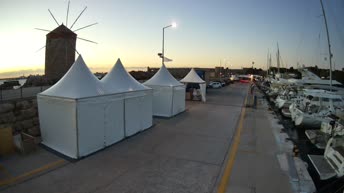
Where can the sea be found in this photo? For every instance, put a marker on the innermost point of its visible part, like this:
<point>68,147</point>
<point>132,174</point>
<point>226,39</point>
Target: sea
<point>21,82</point>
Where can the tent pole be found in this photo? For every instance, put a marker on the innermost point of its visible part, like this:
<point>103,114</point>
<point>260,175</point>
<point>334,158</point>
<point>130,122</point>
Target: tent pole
<point>172,101</point>
<point>77,129</point>
<point>124,125</point>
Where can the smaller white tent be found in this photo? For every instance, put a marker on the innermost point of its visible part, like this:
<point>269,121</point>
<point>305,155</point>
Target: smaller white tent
<point>137,105</point>
<point>192,77</point>
<point>73,114</point>
<point>168,93</point>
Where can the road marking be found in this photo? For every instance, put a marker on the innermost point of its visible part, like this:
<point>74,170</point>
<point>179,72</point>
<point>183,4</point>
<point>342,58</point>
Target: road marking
<point>32,172</point>
<point>5,171</point>
<point>227,173</point>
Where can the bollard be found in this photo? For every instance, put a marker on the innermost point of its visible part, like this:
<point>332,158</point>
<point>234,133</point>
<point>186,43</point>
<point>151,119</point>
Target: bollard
<point>255,101</point>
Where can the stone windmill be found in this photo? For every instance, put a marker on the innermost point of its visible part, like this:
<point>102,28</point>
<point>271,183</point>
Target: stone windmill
<point>61,47</point>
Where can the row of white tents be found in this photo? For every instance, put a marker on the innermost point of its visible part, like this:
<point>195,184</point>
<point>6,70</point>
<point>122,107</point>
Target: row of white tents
<point>80,115</point>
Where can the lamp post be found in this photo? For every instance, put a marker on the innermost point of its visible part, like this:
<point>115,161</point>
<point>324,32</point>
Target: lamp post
<point>163,40</point>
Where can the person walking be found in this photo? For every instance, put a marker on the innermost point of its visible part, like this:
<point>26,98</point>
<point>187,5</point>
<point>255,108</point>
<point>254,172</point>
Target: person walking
<point>254,97</point>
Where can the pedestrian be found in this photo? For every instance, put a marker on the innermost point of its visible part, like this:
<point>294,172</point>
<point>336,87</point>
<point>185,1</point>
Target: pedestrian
<point>253,94</point>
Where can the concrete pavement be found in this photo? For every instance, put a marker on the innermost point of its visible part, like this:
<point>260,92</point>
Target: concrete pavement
<point>256,167</point>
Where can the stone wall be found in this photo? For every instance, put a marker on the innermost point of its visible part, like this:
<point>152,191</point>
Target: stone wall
<point>21,116</point>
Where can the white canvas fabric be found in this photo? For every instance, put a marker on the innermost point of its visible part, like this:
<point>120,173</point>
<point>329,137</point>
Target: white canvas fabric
<point>163,78</point>
<point>119,80</point>
<point>168,93</point>
<point>137,99</point>
<point>76,118</point>
<point>78,82</point>
<point>77,128</point>
<point>192,77</point>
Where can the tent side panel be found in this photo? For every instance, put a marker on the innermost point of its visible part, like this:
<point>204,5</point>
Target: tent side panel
<point>147,110</point>
<point>91,119</point>
<point>178,99</point>
<point>132,114</point>
<point>162,100</point>
<point>114,120</point>
<point>57,119</point>
<point>203,88</point>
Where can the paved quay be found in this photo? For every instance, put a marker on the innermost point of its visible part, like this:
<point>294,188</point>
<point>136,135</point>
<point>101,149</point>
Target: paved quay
<point>212,147</point>
<point>256,167</point>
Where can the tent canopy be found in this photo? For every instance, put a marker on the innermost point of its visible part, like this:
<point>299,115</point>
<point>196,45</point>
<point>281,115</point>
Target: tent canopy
<point>78,82</point>
<point>192,77</point>
<point>163,78</point>
<point>119,80</point>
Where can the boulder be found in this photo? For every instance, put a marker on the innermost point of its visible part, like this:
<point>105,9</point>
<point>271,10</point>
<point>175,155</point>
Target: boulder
<point>34,102</point>
<point>28,113</point>
<point>23,104</point>
<point>26,124</point>
<point>35,121</point>
<point>18,126</point>
<point>34,131</point>
<point>6,107</point>
<point>7,118</point>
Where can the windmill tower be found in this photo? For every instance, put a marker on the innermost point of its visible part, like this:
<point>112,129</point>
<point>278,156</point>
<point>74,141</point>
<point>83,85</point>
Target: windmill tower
<point>61,47</point>
<point>59,52</point>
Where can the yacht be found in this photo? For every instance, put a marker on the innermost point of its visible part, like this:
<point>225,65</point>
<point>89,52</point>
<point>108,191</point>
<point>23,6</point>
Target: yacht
<point>315,107</point>
<point>331,164</point>
<point>331,127</point>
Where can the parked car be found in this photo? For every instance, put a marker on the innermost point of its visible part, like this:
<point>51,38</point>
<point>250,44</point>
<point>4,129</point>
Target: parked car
<point>215,85</point>
<point>223,83</point>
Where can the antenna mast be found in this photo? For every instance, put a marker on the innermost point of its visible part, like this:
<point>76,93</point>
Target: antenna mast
<point>328,41</point>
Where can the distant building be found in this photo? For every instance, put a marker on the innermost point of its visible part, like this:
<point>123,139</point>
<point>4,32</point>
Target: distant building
<point>59,52</point>
<point>219,72</point>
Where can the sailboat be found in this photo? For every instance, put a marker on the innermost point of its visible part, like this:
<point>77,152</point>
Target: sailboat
<point>331,164</point>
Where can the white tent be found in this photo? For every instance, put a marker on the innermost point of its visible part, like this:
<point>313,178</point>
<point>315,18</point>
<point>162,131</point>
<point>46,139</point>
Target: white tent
<point>74,114</point>
<point>192,77</point>
<point>137,106</point>
<point>168,93</point>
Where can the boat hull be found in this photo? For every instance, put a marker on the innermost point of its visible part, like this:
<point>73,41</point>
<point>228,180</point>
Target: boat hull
<point>306,120</point>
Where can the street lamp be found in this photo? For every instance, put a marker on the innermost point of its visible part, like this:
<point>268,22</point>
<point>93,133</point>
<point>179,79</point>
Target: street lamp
<point>173,25</point>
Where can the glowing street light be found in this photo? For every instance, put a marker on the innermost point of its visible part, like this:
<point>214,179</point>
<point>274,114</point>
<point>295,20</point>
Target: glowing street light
<point>173,25</point>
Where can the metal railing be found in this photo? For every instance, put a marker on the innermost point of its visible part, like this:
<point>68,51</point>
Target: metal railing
<point>21,93</point>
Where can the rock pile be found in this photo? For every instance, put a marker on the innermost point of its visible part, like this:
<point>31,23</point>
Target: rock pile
<point>21,116</point>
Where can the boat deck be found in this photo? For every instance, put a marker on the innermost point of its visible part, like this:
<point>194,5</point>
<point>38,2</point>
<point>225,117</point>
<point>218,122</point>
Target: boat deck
<point>323,168</point>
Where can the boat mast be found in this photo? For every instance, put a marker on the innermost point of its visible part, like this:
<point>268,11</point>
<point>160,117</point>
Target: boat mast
<point>267,65</point>
<point>278,59</point>
<point>328,42</point>
<point>270,61</point>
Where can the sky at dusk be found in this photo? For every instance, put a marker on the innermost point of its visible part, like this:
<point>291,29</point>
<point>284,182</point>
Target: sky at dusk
<point>209,33</point>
